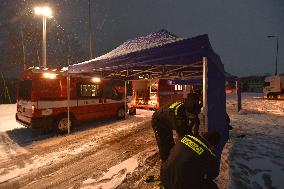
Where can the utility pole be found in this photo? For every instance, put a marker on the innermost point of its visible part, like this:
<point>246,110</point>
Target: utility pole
<point>90,32</point>
<point>23,48</point>
<point>277,46</point>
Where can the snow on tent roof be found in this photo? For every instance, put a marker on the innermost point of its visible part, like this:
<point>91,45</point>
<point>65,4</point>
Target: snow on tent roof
<point>156,39</point>
<point>159,54</point>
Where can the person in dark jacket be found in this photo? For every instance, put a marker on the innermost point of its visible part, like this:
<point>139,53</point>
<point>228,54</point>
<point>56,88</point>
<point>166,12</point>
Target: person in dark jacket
<point>173,116</point>
<point>192,163</point>
<point>228,120</point>
<point>194,108</point>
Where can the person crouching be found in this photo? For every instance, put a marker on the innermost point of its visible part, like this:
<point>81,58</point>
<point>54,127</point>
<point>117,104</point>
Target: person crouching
<point>192,163</point>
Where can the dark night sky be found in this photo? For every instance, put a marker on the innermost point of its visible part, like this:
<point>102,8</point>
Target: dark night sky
<point>237,28</point>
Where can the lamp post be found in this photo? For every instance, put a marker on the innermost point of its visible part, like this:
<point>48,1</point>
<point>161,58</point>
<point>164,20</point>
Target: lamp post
<point>90,33</point>
<point>44,12</point>
<point>277,37</point>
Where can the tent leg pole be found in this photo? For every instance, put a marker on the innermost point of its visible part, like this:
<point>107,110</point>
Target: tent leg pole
<point>68,100</point>
<point>239,96</point>
<point>205,83</point>
<point>125,96</point>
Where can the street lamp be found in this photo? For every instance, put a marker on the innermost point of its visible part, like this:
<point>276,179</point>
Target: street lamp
<point>44,12</point>
<point>275,36</point>
<point>90,33</point>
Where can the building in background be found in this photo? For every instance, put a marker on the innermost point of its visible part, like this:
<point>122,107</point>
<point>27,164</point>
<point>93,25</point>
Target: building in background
<point>252,84</point>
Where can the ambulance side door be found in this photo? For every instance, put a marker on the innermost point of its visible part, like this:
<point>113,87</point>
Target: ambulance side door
<point>90,102</point>
<point>111,99</point>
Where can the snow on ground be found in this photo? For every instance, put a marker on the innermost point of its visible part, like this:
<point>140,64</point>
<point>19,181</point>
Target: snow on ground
<point>7,117</point>
<point>8,148</point>
<point>254,155</point>
<point>256,146</point>
<point>117,174</point>
<point>252,158</point>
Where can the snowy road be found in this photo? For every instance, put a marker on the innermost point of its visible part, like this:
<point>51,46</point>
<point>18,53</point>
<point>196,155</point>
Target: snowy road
<point>116,154</point>
<point>67,161</point>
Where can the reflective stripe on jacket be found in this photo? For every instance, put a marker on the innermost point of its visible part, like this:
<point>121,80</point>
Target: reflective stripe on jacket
<point>196,145</point>
<point>174,107</point>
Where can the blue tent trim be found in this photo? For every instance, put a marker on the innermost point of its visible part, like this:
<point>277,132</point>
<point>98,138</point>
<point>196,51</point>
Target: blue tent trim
<point>229,78</point>
<point>164,55</point>
<point>186,81</point>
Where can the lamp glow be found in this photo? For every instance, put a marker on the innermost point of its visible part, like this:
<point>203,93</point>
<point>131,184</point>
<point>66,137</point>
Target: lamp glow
<point>33,109</point>
<point>43,11</point>
<point>96,80</point>
<point>49,75</point>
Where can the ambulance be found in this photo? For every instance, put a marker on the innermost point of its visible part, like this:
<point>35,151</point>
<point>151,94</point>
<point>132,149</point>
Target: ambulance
<point>42,99</point>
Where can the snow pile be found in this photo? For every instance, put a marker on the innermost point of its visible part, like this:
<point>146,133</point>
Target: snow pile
<point>118,173</point>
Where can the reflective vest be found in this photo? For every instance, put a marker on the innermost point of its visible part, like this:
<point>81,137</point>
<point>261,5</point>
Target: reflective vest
<point>175,106</point>
<point>196,145</point>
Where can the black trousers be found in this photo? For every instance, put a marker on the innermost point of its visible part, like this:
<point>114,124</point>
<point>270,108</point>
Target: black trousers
<point>163,125</point>
<point>164,137</point>
<point>209,184</point>
<point>194,124</point>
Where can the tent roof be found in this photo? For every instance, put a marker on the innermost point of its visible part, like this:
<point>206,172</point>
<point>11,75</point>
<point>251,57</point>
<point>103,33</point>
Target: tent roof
<point>157,55</point>
<point>231,78</point>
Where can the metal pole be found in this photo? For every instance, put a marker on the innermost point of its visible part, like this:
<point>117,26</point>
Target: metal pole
<point>44,41</point>
<point>205,83</point>
<point>23,48</point>
<point>276,55</point>
<point>125,96</point>
<point>239,96</point>
<point>125,92</point>
<point>277,47</point>
<point>90,32</point>
<point>68,100</point>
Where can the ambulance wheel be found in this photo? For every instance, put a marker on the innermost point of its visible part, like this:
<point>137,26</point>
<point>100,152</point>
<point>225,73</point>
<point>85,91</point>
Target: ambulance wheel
<point>120,113</point>
<point>275,97</point>
<point>272,96</point>
<point>61,124</point>
<point>132,111</point>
